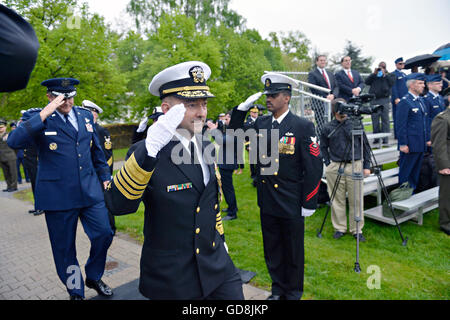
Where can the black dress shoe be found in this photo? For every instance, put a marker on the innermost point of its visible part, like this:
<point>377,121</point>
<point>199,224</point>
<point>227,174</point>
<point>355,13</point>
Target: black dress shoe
<point>361,237</point>
<point>228,218</point>
<point>12,190</point>
<point>338,235</point>
<point>31,211</point>
<point>38,213</point>
<point>76,297</point>
<point>102,288</point>
<point>275,297</point>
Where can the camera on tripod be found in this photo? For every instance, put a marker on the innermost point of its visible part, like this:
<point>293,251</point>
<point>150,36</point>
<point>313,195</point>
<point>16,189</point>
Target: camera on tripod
<point>356,106</point>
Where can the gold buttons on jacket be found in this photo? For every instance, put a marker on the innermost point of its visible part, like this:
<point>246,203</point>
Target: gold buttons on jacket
<point>198,210</point>
<point>198,251</point>
<point>275,174</point>
<point>214,244</point>
<point>216,207</point>
<point>277,160</point>
<point>197,231</point>
<point>275,186</point>
<point>264,181</point>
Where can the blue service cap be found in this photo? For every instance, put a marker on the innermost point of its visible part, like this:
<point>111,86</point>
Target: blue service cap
<point>416,76</point>
<point>398,60</point>
<point>434,78</point>
<point>61,85</point>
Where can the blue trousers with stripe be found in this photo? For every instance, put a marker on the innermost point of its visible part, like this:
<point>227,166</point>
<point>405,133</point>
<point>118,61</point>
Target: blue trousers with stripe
<point>62,228</point>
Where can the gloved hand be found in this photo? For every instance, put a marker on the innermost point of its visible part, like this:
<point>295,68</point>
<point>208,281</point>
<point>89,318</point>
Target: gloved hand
<point>307,212</point>
<point>142,125</point>
<point>161,132</point>
<point>245,106</point>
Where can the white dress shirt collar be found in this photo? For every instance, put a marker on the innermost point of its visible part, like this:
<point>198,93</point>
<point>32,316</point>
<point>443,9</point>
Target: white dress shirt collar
<point>281,118</point>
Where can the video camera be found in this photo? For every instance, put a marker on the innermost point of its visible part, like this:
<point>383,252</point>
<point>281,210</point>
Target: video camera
<point>356,107</point>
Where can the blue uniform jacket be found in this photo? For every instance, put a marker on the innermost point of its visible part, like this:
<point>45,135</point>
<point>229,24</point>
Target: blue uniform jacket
<point>69,166</point>
<point>399,90</point>
<point>435,105</point>
<point>412,123</point>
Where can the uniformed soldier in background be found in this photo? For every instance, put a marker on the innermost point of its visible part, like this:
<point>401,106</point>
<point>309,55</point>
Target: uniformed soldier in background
<point>289,194</point>
<point>250,124</point>
<point>184,255</point>
<point>399,90</point>
<point>7,160</point>
<point>106,144</point>
<point>412,130</point>
<point>140,133</point>
<point>70,163</point>
<point>433,100</point>
<point>440,137</point>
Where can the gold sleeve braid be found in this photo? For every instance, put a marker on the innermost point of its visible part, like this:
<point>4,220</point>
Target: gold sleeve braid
<point>132,180</point>
<point>219,224</point>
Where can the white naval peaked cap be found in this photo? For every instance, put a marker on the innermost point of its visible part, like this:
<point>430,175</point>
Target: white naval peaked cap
<point>90,105</point>
<point>185,80</point>
<point>276,82</point>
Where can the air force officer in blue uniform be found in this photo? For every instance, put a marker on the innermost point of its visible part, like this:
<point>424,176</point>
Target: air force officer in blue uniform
<point>412,130</point>
<point>433,100</point>
<point>398,90</point>
<point>70,163</point>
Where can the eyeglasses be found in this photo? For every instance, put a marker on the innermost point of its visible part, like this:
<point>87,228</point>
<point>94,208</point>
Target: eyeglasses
<point>66,95</point>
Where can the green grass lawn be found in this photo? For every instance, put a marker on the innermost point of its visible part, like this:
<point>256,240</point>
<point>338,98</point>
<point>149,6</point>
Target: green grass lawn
<point>421,270</point>
<point>418,271</point>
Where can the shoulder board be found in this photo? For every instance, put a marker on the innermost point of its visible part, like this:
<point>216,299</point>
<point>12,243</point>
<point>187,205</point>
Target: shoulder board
<point>34,110</point>
<point>30,113</point>
<point>83,108</point>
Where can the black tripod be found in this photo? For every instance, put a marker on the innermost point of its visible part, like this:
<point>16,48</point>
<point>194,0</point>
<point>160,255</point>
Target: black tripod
<point>358,178</point>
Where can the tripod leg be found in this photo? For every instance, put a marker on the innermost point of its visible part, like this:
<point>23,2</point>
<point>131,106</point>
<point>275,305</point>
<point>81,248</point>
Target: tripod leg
<point>333,195</point>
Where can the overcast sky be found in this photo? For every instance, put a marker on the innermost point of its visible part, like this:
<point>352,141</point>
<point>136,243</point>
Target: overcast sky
<point>384,29</point>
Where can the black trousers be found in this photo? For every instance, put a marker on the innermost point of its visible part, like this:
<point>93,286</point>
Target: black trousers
<point>283,241</point>
<point>228,190</point>
<point>231,289</point>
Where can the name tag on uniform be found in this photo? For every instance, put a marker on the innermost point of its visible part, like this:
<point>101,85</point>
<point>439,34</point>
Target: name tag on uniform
<point>89,127</point>
<point>51,133</point>
<point>435,107</point>
<point>179,187</point>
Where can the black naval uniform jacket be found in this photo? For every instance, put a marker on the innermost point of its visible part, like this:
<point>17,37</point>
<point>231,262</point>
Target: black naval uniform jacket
<point>105,142</point>
<point>183,255</point>
<point>297,181</point>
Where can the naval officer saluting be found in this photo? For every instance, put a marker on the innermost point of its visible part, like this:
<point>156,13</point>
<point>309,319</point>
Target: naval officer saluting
<point>184,256</point>
<point>70,163</point>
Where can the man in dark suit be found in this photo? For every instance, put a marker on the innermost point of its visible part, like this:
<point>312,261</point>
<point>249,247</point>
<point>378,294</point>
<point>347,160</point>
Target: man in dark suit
<point>67,189</point>
<point>289,167</point>
<point>349,81</point>
<point>412,130</point>
<point>326,79</point>
<point>172,171</point>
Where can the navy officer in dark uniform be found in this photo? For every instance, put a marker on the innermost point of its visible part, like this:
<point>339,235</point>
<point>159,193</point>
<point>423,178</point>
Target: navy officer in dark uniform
<point>184,256</point>
<point>288,184</point>
<point>70,163</point>
<point>412,130</point>
<point>104,138</point>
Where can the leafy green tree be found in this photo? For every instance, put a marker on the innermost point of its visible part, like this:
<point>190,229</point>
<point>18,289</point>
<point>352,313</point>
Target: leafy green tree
<point>72,44</point>
<point>360,63</point>
<point>206,13</point>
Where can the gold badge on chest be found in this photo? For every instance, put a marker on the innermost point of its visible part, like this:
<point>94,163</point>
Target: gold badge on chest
<point>53,147</point>
<point>108,143</point>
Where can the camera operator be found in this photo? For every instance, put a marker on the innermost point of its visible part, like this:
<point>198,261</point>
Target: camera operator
<point>381,83</point>
<point>336,149</point>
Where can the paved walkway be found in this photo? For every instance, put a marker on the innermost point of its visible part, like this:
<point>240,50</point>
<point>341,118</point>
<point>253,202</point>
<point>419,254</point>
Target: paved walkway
<point>27,270</point>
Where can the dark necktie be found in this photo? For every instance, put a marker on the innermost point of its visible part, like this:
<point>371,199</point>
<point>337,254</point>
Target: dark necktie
<point>275,125</point>
<point>69,125</point>
<point>194,159</point>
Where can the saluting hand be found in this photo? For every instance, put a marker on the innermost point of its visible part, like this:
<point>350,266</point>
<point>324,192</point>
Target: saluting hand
<point>245,106</point>
<point>161,132</point>
<point>51,107</point>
